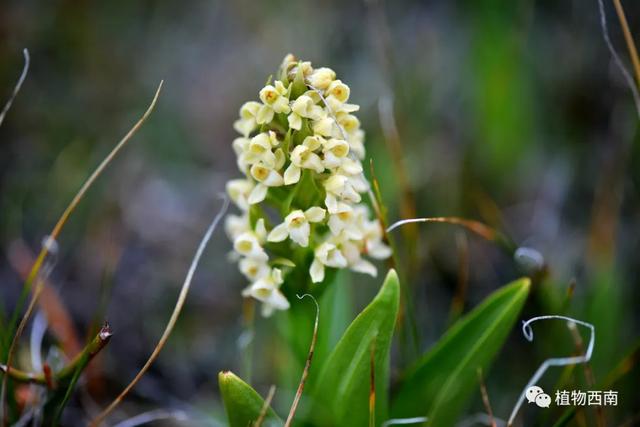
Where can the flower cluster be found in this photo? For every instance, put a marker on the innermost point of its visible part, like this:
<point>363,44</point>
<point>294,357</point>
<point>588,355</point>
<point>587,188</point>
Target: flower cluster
<point>300,150</point>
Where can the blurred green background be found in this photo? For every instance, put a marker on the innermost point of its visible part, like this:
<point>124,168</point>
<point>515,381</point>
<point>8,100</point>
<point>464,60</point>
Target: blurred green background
<point>511,113</point>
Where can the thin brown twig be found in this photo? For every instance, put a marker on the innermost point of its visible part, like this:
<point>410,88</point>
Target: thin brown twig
<point>50,242</point>
<point>485,398</point>
<point>16,89</point>
<point>631,46</point>
<point>307,366</point>
<point>182,297</point>
<point>265,406</point>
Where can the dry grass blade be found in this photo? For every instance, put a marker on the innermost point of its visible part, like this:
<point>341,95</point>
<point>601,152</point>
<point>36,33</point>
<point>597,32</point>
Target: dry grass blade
<point>477,227</point>
<point>485,398</point>
<point>631,46</point>
<point>16,89</point>
<point>50,244</point>
<point>265,406</point>
<point>616,58</point>
<point>182,297</point>
<point>305,372</point>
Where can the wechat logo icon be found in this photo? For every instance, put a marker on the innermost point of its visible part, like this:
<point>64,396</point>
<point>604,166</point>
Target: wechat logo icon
<point>536,395</point>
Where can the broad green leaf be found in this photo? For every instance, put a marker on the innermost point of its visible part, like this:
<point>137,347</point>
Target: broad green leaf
<point>441,382</point>
<point>242,403</point>
<point>341,392</point>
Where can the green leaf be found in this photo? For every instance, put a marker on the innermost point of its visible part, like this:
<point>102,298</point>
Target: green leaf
<point>242,403</point>
<point>442,381</point>
<point>341,392</point>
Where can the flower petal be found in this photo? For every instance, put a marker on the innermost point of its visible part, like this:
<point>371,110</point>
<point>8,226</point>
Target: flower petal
<point>295,121</point>
<point>315,214</point>
<point>258,194</point>
<point>291,175</point>
<point>364,266</point>
<point>279,233</point>
<point>300,234</point>
<point>316,271</point>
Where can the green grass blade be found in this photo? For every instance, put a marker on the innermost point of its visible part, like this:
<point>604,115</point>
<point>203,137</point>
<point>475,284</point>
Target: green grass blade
<point>442,381</point>
<point>341,391</point>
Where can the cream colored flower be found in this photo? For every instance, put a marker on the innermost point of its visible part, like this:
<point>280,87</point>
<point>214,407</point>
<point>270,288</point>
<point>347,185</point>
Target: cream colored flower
<point>247,121</point>
<point>249,243</point>
<point>288,62</point>
<point>296,226</point>
<point>267,291</point>
<point>241,147</point>
<point>321,78</point>
<point>356,143</point>
<point>235,225</point>
<point>239,190</point>
<point>254,269</point>
<point>326,127</point>
<point>339,91</point>
<point>345,221</point>
<point>340,236</point>
<point>306,68</point>
<point>334,150</point>
<point>374,246</point>
<point>275,100</point>
<point>266,177</point>
<point>341,187</point>
<point>303,157</point>
<point>352,253</point>
<point>260,148</point>
<point>303,107</point>
<point>348,122</point>
<point>327,254</point>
